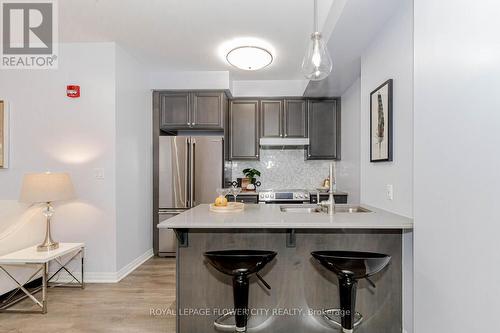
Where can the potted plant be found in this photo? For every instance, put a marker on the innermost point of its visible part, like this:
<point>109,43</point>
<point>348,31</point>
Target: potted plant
<point>250,180</point>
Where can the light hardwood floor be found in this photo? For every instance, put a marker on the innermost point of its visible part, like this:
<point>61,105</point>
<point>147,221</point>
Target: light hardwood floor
<point>121,307</point>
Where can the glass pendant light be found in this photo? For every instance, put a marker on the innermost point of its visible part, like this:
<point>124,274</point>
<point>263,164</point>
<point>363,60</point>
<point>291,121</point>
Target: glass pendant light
<point>317,63</point>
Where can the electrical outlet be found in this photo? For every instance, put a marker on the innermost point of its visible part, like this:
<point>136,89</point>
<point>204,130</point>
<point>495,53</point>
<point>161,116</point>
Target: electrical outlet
<point>389,189</point>
<point>99,173</point>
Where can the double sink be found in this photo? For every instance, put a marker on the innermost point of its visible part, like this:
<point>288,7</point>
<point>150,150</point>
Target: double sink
<point>312,209</point>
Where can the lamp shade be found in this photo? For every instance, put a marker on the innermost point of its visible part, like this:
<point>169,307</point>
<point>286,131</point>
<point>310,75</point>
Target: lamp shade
<point>46,187</point>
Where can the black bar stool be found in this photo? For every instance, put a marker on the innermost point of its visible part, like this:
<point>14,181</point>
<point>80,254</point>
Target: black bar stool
<point>350,266</point>
<point>240,264</point>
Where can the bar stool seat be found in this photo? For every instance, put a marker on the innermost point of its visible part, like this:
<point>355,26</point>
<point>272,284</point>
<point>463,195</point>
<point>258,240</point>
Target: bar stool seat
<point>239,264</point>
<point>350,266</point>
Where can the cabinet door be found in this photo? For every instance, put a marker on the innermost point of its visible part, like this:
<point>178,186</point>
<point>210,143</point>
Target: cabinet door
<point>208,110</point>
<point>244,129</point>
<point>324,130</point>
<point>295,119</point>
<point>174,110</point>
<point>271,118</point>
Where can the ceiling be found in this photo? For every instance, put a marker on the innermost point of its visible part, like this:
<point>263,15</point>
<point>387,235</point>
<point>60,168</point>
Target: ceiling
<point>193,35</point>
<point>349,39</point>
<point>186,35</point>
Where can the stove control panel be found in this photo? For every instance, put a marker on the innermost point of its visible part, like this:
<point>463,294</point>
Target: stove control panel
<point>284,196</point>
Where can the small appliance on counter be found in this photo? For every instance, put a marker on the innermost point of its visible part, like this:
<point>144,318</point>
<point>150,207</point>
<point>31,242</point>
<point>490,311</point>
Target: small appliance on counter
<point>244,183</point>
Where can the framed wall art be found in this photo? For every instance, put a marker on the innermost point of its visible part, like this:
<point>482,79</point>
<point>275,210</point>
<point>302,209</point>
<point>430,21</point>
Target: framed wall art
<point>381,123</point>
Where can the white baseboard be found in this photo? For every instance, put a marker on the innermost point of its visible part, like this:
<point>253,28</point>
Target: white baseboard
<point>108,277</point>
<point>130,267</point>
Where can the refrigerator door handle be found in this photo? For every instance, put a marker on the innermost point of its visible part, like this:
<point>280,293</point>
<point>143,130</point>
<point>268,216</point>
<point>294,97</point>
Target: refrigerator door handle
<point>188,169</point>
<point>192,176</point>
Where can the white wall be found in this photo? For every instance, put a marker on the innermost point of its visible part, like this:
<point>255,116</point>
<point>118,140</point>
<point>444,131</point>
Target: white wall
<point>108,127</point>
<point>190,80</point>
<point>457,180</point>
<point>221,80</point>
<point>348,169</point>
<point>390,56</point>
<point>268,88</point>
<point>133,160</point>
<point>50,131</point>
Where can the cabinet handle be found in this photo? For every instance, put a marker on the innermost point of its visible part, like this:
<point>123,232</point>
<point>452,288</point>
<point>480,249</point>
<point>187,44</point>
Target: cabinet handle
<point>286,135</point>
<point>192,124</point>
<point>189,124</point>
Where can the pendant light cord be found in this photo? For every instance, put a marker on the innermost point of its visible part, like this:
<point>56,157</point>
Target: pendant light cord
<point>316,29</point>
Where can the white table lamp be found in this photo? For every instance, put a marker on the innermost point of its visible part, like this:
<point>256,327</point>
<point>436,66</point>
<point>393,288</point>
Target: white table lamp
<point>47,188</point>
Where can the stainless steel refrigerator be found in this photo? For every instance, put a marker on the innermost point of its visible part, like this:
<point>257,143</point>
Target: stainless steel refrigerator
<point>191,169</point>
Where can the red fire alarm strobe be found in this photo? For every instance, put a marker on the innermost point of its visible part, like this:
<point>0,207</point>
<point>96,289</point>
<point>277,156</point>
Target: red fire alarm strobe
<point>73,91</point>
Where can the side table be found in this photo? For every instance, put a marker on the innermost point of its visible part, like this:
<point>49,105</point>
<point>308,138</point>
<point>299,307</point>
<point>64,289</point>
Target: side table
<point>30,257</point>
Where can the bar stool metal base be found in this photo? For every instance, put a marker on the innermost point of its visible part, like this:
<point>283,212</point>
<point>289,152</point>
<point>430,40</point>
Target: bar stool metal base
<point>220,326</point>
<point>333,316</point>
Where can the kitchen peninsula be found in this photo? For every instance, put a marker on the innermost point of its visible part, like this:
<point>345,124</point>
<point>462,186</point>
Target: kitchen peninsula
<point>299,284</point>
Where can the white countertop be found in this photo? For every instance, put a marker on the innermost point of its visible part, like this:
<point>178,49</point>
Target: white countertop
<point>270,217</point>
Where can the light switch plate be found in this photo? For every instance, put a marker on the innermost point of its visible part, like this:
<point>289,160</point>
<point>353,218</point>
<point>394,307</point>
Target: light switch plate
<point>389,192</point>
<point>99,173</point>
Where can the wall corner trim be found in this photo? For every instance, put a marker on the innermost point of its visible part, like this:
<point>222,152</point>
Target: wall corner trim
<point>130,267</point>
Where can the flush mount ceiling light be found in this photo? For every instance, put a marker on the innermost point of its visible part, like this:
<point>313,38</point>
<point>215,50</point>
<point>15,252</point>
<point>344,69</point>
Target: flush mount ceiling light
<point>249,58</point>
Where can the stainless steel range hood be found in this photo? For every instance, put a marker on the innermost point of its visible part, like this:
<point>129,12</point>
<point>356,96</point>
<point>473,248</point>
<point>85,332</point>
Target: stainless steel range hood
<point>282,142</point>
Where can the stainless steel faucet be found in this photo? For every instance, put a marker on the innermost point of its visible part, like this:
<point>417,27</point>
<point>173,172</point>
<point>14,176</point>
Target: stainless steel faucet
<point>330,204</point>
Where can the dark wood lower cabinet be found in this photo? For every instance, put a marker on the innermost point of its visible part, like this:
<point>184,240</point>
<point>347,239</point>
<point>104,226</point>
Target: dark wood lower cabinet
<point>339,198</point>
<point>298,282</point>
<point>249,199</point>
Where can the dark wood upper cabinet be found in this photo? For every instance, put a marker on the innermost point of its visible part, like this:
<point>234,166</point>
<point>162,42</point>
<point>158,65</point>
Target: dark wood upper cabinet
<point>175,110</point>
<point>208,110</point>
<point>295,119</point>
<point>283,118</point>
<point>245,121</point>
<point>244,129</point>
<point>192,110</point>
<point>271,118</point>
<point>324,130</point>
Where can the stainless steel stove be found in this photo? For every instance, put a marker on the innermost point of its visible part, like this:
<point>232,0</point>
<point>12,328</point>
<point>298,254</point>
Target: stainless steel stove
<point>283,196</point>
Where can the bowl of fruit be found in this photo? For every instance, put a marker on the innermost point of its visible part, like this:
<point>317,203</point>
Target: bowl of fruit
<point>222,205</point>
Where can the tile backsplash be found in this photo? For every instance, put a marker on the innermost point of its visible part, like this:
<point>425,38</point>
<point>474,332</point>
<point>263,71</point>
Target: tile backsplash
<point>285,169</point>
